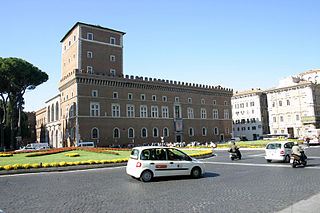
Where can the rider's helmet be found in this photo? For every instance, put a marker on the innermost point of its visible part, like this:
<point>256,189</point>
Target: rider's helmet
<point>296,143</point>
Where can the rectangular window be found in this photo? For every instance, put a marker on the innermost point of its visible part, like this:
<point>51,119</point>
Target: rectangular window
<point>202,101</point>
<point>215,114</point>
<point>164,98</point>
<point>115,95</point>
<point>281,118</point>
<point>154,98</point>
<point>112,58</point>
<point>176,99</point>
<point>226,114</point>
<point>154,112</point>
<point>165,112</point>
<point>190,113</point>
<point>130,96</point>
<point>274,119</point>
<point>143,97</point>
<point>190,100</point>
<point>297,117</point>
<point>89,54</point>
<point>94,93</point>
<point>203,113</point>
<point>226,103</point>
<point>90,36</point>
<point>115,110</point>
<point>94,109</point>
<point>177,112</point>
<point>143,111</point>
<point>89,69</point>
<point>112,72</point>
<point>130,111</point>
<point>112,40</point>
<point>214,102</point>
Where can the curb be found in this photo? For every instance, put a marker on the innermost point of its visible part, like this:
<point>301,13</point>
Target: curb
<point>70,168</point>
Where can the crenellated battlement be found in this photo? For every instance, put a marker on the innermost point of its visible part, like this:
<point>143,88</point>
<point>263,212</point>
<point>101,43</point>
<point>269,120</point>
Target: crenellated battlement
<point>131,78</point>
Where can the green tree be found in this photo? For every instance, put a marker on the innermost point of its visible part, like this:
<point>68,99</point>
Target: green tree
<point>19,76</point>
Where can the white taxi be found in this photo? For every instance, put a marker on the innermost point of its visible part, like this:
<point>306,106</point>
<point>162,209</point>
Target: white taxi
<point>152,161</point>
<point>279,151</point>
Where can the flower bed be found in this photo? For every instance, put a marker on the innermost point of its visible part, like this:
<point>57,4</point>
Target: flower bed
<point>73,155</point>
<point>6,155</point>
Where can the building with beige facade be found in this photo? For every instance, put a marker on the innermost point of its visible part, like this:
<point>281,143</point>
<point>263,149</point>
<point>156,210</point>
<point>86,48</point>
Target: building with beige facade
<point>97,102</point>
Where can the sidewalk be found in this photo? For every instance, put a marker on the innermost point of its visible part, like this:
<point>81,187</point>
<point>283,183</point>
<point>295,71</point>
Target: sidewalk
<point>311,205</point>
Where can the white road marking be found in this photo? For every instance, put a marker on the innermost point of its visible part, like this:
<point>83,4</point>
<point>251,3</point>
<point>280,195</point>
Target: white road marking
<point>258,155</point>
<point>60,172</point>
<point>258,165</point>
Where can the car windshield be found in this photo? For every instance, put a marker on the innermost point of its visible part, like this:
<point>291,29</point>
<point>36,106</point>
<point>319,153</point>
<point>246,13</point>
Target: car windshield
<point>274,146</point>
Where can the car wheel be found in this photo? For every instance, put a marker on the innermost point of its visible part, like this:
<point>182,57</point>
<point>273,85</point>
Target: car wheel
<point>196,172</point>
<point>146,176</point>
<point>269,161</point>
<point>287,159</point>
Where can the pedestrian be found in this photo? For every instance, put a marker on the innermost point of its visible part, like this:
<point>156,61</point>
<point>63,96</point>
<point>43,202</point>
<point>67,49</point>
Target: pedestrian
<point>308,141</point>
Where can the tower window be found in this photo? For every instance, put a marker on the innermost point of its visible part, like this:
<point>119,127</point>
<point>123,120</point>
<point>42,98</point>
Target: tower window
<point>112,40</point>
<point>90,36</point>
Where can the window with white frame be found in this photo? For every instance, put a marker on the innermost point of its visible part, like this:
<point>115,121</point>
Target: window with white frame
<point>165,112</point>
<point>190,100</point>
<point>143,111</point>
<point>155,132</point>
<point>115,110</point>
<point>164,98</point>
<point>176,99</point>
<point>203,101</point>
<point>112,72</point>
<point>281,118</point>
<point>215,114</point>
<point>204,131</point>
<point>154,111</point>
<point>130,133</point>
<point>94,109</point>
<point>144,133</point>
<point>154,97</point>
<point>115,95</point>
<point>143,97</point>
<point>90,36</point>
<point>203,113</point>
<point>225,103</point>
<point>165,132</point>
<point>191,132</point>
<point>112,58</point>
<point>190,113</point>
<point>94,133</point>
<point>94,93</point>
<point>226,114</point>
<point>297,117</point>
<point>89,69</point>
<point>216,131</point>
<point>112,40</point>
<point>130,96</point>
<point>89,54</point>
<point>214,102</point>
<point>116,133</point>
<point>130,110</point>
<point>274,119</point>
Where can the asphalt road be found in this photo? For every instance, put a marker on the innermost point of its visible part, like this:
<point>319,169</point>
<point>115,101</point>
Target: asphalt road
<point>248,185</point>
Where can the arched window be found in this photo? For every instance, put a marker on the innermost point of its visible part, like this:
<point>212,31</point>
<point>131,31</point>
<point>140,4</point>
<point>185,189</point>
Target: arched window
<point>116,133</point>
<point>165,132</point>
<point>216,131</point>
<point>57,111</point>
<point>155,132</point>
<point>191,132</point>
<point>204,131</point>
<point>144,133</point>
<point>130,133</point>
<point>94,133</point>
<point>52,112</point>
<point>48,114</point>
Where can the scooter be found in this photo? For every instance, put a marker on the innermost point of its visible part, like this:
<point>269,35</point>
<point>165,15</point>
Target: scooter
<point>297,160</point>
<point>235,155</point>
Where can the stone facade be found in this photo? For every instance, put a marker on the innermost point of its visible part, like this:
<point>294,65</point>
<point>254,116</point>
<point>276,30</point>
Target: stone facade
<point>98,103</point>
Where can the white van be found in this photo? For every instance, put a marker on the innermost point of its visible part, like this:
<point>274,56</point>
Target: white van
<point>86,144</point>
<point>35,146</point>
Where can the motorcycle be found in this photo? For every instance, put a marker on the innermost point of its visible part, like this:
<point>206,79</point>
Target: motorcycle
<point>298,160</point>
<point>235,155</point>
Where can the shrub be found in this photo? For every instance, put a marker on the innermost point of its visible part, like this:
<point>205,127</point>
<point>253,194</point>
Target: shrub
<point>97,162</point>
<point>77,163</point>
<point>17,166</point>
<point>26,166</point>
<point>35,165</point>
<point>45,165</point>
<point>55,164</point>
<point>1,167</point>
<point>84,162</point>
<point>73,155</point>
<point>63,163</point>
<point>6,155</point>
<point>91,162</point>
<point>70,164</point>
<point>8,167</point>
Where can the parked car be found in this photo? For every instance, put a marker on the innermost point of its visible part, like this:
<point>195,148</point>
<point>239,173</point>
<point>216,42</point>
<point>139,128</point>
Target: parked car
<point>279,151</point>
<point>146,163</point>
<point>34,146</point>
<point>86,144</point>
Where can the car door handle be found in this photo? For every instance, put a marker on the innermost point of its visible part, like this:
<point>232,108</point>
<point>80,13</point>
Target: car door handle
<point>152,163</point>
<point>171,162</point>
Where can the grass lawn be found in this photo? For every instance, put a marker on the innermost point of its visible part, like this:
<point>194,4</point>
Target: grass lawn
<point>60,157</point>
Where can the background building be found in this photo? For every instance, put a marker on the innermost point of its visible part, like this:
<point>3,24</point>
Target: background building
<point>250,114</point>
<point>98,103</point>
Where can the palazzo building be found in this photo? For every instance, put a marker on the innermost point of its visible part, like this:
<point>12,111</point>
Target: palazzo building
<point>98,103</point>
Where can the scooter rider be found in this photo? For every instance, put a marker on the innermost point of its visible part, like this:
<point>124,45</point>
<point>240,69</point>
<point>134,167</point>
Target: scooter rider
<point>296,150</point>
<point>235,149</point>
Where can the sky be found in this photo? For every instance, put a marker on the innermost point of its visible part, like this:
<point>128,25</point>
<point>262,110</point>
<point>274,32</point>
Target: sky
<point>238,44</point>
